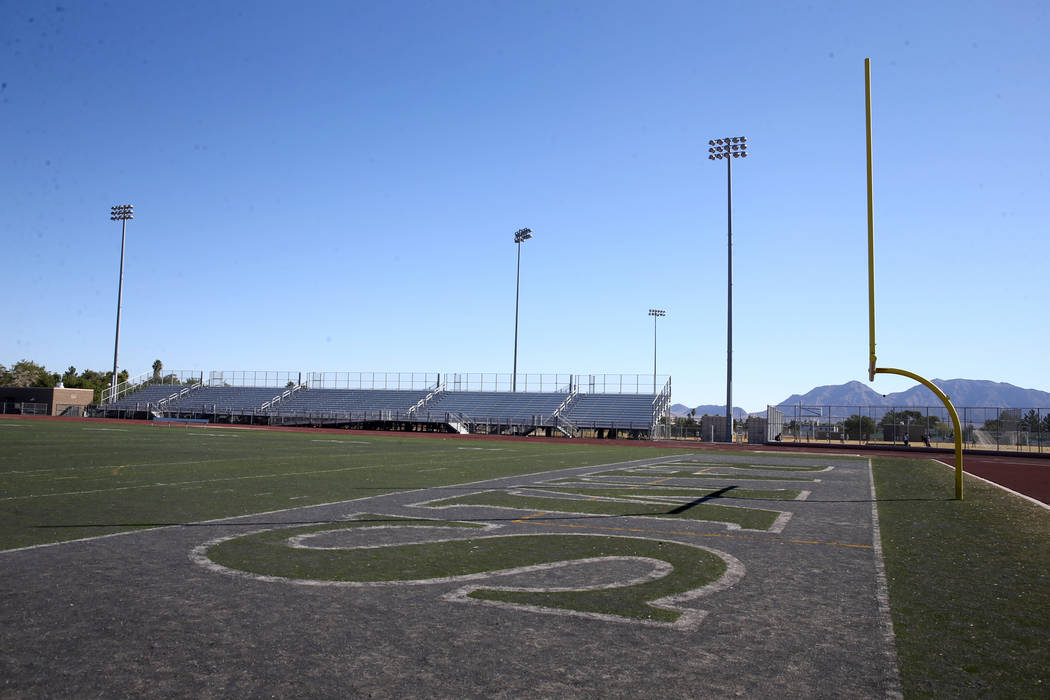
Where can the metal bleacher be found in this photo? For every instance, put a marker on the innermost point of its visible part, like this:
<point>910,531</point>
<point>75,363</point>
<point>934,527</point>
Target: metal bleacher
<point>223,399</point>
<point>574,405</point>
<point>492,406</point>
<point>630,411</point>
<point>350,400</point>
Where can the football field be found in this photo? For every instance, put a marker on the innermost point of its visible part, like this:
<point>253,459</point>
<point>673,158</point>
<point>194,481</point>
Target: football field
<point>224,562</point>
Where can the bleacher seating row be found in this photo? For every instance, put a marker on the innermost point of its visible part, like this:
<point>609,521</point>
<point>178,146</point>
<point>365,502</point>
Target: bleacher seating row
<point>489,407</point>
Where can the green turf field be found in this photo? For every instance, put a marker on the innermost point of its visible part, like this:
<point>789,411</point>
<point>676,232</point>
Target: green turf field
<point>969,581</point>
<point>969,584</point>
<point>67,480</point>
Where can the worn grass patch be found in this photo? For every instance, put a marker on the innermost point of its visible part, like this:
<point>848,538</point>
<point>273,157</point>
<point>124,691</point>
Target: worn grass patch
<point>748,518</point>
<point>268,553</point>
<point>969,584</point>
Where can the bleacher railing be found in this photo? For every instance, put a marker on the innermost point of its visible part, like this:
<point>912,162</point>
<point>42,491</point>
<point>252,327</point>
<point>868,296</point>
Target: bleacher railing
<point>497,382</point>
<point>403,381</point>
<point>555,383</point>
<point>254,378</point>
<point>109,395</point>
<point>619,383</point>
<point>177,395</point>
<point>662,408</point>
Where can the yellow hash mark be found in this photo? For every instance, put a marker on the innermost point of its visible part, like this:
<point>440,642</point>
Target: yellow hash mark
<point>534,515</point>
<point>688,534</point>
<point>650,483</point>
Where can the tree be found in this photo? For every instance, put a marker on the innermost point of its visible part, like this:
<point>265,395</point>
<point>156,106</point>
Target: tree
<point>158,367</point>
<point>907,416</point>
<point>858,427</point>
<point>26,373</point>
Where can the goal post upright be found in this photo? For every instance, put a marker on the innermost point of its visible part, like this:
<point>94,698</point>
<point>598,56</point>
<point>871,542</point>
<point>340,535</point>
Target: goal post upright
<point>873,369</point>
<point>871,227</point>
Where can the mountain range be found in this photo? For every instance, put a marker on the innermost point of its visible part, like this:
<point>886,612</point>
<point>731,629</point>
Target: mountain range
<point>679,410</point>
<point>963,392</point>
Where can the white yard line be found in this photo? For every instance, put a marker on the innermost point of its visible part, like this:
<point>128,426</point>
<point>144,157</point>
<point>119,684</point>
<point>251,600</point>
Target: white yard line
<point>183,483</point>
<point>882,596</point>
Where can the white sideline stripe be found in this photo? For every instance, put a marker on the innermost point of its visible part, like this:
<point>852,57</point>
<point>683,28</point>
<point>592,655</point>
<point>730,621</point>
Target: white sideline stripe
<point>342,442</point>
<point>138,464</point>
<point>233,519</point>
<point>988,481</point>
<point>182,483</point>
<point>87,539</point>
<point>882,595</point>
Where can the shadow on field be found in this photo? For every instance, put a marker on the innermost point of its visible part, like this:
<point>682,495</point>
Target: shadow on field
<point>683,508</point>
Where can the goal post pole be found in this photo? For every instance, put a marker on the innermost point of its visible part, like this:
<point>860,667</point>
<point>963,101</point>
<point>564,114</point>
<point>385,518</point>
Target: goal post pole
<point>871,227</point>
<point>872,368</point>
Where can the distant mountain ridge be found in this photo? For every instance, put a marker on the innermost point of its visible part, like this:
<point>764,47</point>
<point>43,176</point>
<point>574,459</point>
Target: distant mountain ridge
<point>962,392</point>
<point>976,393</point>
<point>679,410</point>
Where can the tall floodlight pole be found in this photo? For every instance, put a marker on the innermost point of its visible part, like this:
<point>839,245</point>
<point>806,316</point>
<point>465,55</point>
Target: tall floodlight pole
<point>521,235</point>
<point>655,313</point>
<point>121,213</point>
<point>728,149</point>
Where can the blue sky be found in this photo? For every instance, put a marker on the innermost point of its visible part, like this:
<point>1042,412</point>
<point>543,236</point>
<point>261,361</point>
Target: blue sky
<point>335,186</point>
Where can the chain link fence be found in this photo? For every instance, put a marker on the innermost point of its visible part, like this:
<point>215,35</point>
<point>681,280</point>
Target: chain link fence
<point>983,428</point>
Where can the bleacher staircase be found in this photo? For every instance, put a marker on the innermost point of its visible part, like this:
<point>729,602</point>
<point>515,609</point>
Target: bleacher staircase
<point>562,423</point>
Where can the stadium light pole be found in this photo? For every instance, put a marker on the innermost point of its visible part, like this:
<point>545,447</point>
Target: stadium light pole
<point>727,149</point>
<point>521,235</point>
<point>121,213</point>
<point>655,313</point>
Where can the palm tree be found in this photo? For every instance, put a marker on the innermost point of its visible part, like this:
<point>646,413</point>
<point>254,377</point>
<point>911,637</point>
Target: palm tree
<point>158,367</point>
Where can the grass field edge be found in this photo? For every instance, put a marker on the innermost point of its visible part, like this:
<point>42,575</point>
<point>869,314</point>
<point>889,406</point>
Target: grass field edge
<point>1008,490</point>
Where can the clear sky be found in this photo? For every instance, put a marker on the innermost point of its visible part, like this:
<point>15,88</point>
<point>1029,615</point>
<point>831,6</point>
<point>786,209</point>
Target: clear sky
<point>334,186</point>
